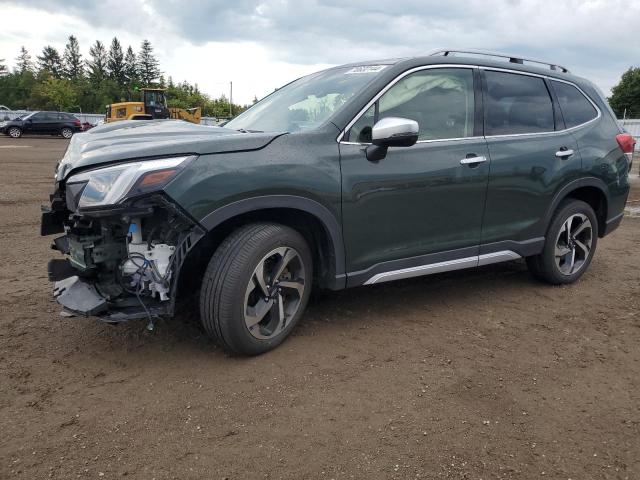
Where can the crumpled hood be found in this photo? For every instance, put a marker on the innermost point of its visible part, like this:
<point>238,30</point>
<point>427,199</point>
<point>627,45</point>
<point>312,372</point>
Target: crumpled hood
<point>134,139</point>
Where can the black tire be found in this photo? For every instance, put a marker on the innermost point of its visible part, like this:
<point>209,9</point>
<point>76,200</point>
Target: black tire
<point>545,266</point>
<point>230,276</point>
<point>14,132</point>
<point>66,132</point>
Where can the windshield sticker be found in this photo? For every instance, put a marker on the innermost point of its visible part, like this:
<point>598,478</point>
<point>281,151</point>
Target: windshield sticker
<point>366,69</point>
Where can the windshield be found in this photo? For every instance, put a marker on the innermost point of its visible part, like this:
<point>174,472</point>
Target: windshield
<point>155,98</point>
<point>307,102</point>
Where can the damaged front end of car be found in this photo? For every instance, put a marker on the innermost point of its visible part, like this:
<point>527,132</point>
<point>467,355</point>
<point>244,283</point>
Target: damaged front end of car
<point>124,240</point>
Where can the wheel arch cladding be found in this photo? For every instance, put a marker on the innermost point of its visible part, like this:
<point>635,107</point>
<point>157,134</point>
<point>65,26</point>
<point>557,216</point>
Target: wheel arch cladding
<point>315,222</point>
<point>592,191</point>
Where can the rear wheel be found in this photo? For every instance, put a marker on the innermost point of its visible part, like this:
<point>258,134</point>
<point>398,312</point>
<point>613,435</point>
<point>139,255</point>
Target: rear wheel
<point>570,244</point>
<point>256,288</point>
<point>66,132</point>
<point>15,132</point>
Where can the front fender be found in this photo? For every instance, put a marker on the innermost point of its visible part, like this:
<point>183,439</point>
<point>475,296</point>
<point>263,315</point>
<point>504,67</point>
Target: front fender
<point>319,211</point>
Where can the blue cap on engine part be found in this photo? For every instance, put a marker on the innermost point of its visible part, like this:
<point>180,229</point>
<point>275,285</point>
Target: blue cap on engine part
<point>133,228</point>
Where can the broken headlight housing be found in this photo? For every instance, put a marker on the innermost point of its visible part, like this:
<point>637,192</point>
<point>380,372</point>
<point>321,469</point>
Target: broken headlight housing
<point>109,186</point>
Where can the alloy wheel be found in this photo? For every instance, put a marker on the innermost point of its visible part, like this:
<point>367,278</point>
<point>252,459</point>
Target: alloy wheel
<point>14,132</point>
<point>274,293</point>
<point>573,244</point>
<point>67,133</point>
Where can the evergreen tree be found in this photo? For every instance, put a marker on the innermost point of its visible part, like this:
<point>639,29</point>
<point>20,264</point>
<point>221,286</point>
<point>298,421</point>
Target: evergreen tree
<point>98,63</point>
<point>3,67</point>
<point>50,62</point>
<point>116,63</point>
<point>24,63</point>
<point>56,89</point>
<point>72,59</point>
<point>131,67</point>
<point>147,64</point>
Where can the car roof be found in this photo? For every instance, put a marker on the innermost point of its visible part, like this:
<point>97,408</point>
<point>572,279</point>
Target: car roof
<point>473,58</point>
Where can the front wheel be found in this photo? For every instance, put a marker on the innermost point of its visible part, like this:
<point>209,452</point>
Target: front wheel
<point>256,288</point>
<point>15,132</point>
<point>66,132</point>
<point>570,244</point>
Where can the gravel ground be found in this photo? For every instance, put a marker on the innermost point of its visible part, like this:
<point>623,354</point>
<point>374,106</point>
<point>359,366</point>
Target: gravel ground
<point>469,375</point>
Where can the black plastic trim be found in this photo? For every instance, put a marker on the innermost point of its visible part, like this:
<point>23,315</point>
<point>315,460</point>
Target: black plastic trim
<point>524,248</point>
<point>612,224</point>
<point>355,279</point>
<point>322,213</point>
<point>52,222</point>
<point>567,189</point>
<point>478,94</point>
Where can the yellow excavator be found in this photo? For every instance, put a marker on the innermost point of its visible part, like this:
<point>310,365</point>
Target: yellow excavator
<point>153,106</point>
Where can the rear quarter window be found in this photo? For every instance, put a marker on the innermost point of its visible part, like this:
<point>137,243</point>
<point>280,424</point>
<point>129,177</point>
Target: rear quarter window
<point>576,108</point>
<point>517,104</point>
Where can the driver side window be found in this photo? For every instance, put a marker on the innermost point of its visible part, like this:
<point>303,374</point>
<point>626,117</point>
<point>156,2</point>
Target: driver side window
<point>440,100</point>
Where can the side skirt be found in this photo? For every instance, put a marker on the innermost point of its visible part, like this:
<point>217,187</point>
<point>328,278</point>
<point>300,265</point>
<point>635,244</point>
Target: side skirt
<point>459,264</point>
<point>447,261</point>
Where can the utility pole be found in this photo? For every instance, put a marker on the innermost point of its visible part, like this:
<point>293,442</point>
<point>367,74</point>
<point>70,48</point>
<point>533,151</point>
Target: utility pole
<point>231,99</point>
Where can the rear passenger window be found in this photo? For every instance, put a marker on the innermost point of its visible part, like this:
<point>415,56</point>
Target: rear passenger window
<point>517,104</point>
<point>576,109</point>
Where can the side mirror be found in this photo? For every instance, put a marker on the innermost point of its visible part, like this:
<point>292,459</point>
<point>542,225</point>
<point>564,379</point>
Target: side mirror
<point>391,132</point>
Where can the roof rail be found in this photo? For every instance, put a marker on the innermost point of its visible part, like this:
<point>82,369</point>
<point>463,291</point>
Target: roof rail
<point>512,58</point>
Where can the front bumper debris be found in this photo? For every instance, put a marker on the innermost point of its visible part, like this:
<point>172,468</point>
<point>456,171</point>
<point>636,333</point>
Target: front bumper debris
<point>120,264</point>
<point>79,297</point>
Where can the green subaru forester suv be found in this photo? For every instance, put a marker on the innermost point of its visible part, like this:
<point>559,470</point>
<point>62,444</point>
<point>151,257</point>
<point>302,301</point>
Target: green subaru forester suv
<point>355,175</point>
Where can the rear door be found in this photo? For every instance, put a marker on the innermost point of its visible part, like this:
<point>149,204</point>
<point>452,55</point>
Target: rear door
<point>422,204</point>
<point>532,155</point>
<point>50,122</point>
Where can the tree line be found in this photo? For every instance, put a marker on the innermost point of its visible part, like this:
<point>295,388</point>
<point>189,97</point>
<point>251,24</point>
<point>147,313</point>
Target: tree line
<point>69,82</point>
<point>625,96</point>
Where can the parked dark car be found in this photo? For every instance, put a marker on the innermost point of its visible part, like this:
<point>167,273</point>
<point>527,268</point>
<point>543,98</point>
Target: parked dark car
<point>355,175</point>
<point>42,123</point>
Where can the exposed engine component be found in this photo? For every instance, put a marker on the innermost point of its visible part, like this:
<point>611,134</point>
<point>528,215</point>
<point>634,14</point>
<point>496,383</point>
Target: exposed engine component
<point>147,265</point>
<point>124,263</point>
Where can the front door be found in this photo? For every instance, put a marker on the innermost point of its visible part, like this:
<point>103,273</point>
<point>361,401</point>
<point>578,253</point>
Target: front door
<point>423,204</point>
<point>37,123</point>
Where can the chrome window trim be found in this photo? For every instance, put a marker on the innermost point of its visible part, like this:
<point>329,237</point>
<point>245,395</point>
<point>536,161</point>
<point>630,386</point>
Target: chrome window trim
<point>425,141</point>
<point>551,79</point>
<point>387,87</point>
<point>481,67</point>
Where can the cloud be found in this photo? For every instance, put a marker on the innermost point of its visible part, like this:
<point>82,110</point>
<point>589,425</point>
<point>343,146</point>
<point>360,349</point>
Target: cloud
<point>594,38</point>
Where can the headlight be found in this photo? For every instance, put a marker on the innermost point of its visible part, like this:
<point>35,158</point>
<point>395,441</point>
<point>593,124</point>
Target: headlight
<point>110,185</point>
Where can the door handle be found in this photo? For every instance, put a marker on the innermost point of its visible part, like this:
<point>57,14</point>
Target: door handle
<point>564,152</point>
<point>474,160</point>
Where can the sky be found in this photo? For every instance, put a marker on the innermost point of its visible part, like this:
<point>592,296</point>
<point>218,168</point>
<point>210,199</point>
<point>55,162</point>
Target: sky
<point>261,45</point>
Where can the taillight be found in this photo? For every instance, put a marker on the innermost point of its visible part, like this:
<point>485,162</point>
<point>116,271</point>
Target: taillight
<point>626,142</point>
<point>77,123</point>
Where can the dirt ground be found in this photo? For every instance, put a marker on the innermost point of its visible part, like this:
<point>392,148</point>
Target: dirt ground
<point>482,374</point>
